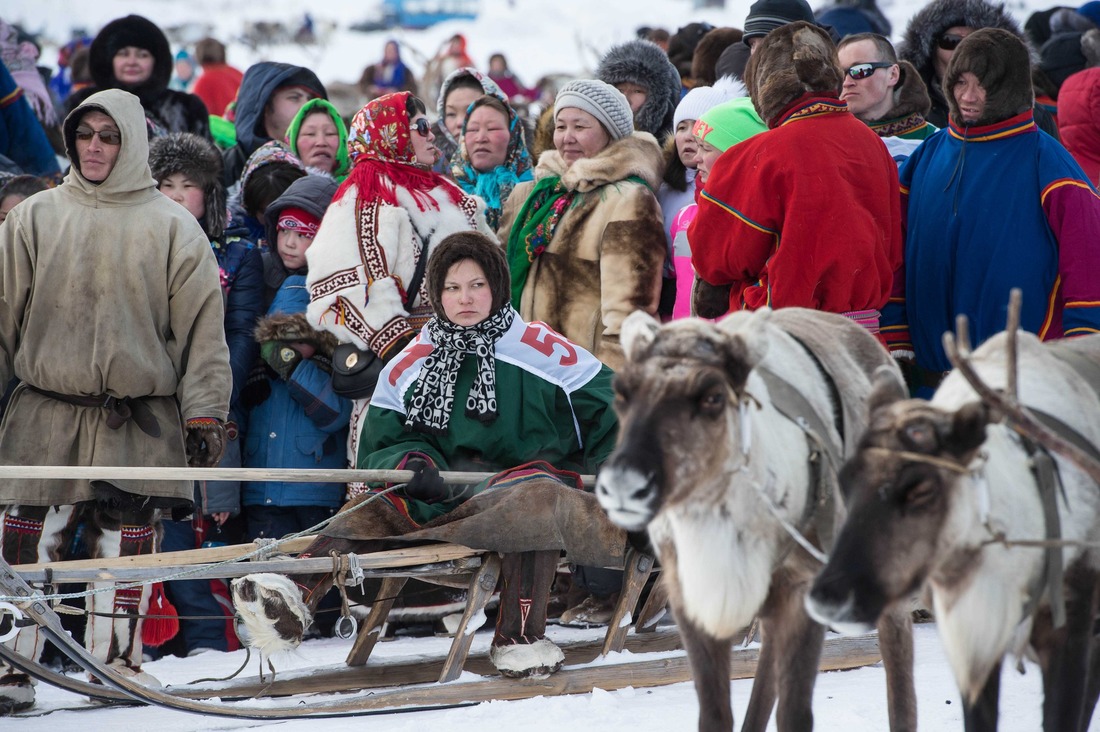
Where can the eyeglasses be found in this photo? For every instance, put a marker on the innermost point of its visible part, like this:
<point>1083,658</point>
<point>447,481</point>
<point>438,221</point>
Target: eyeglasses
<point>107,137</point>
<point>949,41</point>
<point>422,127</point>
<point>863,71</point>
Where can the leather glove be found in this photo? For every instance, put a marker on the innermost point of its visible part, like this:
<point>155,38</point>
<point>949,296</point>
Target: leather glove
<point>204,442</point>
<point>281,357</point>
<point>426,485</point>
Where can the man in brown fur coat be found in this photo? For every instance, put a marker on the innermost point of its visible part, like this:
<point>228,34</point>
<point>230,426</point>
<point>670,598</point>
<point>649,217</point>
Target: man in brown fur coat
<point>111,317</point>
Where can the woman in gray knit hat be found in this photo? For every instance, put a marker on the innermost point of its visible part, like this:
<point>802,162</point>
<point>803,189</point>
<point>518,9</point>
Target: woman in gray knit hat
<point>586,246</point>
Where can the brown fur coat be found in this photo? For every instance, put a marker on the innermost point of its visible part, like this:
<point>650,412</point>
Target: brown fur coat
<point>605,259</point>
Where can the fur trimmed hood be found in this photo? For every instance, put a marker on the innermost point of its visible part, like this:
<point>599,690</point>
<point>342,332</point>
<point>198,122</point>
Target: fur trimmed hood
<point>918,44</point>
<point>792,60</point>
<point>645,64</point>
<point>133,30</point>
<point>910,95</point>
<point>638,155</point>
<point>294,327</point>
<point>1001,62</point>
<point>183,152</point>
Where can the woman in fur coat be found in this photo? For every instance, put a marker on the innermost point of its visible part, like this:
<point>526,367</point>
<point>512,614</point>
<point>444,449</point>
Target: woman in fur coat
<point>391,211</point>
<point>133,54</point>
<point>586,241</point>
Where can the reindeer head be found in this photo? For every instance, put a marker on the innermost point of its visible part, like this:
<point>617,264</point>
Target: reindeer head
<point>677,399</point>
<point>900,487</point>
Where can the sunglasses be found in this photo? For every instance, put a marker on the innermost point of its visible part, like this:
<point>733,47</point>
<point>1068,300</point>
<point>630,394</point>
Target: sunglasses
<point>864,71</point>
<point>949,41</point>
<point>422,127</point>
<point>107,137</point>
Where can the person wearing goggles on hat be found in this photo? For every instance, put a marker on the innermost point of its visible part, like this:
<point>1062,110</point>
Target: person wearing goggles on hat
<point>884,93</point>
<point>111,317</point>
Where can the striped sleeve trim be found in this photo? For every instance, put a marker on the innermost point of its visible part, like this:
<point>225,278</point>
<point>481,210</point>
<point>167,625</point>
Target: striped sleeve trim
<point>1082,303</point>
<point>1061,183</point>
<point>1081,330</point>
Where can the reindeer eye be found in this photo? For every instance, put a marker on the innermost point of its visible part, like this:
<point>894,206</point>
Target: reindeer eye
<point>921,495</point>
<point>712,402</point>
<point>921,435</point>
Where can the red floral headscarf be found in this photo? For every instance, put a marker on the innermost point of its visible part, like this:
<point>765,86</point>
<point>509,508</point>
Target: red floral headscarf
<point>383,159</point>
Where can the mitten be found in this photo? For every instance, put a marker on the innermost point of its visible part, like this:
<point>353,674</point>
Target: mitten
<point>426,485</point>
<point>280,357</point>
<point>204,441</point>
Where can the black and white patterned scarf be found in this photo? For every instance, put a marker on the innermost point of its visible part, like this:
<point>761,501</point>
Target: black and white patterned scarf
<point>433,398</point>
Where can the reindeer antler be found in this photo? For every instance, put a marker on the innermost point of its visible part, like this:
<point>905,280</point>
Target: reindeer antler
<point>1017,416</point>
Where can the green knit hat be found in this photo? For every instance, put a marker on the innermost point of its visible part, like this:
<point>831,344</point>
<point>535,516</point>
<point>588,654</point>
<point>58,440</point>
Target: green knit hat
<point>729,123</point>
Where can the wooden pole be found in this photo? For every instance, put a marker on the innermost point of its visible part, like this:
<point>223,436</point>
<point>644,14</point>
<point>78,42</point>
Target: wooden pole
<point>282,475</point>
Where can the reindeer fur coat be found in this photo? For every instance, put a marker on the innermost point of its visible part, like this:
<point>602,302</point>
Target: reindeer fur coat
<point>606,257</point>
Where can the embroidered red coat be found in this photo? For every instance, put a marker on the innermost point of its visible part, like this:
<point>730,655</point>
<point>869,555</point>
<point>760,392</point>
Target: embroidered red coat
<point>802,215</point>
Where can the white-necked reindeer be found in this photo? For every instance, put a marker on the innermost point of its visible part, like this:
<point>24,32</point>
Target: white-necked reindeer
<point>713,448</point>
<point>933,488</point>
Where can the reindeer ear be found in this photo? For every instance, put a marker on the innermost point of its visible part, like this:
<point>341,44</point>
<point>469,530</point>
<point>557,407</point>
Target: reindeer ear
<point>887,387</point>
<point>968,428</point>
<point>638,331</point>
<point>744,350</point>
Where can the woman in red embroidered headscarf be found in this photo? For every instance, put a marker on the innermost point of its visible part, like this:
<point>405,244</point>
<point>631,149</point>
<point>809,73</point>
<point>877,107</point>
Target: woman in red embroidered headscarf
<point>390,212</point>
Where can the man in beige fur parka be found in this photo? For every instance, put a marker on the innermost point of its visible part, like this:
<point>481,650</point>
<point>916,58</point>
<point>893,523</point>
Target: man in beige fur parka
<point>111,317</point>
<point>585,240</point>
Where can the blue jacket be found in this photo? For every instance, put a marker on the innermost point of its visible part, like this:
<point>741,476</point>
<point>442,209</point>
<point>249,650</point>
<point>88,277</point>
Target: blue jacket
<point>21,135</point>
<point>988,209</point>
<point>302,424</point>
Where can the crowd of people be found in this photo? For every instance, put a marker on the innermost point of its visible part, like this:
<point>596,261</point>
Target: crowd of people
<point>237,275</point>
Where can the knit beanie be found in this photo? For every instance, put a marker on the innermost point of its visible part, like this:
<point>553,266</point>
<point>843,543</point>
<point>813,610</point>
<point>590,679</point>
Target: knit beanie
<point>729,123</point>
<point>1061,56</point>
<point>701,98</point>
<point>601,100</point>
<point>767,15</point>
<point>1091,10</point>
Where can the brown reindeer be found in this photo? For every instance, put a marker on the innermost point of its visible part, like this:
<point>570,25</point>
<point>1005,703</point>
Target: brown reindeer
<point>941,495</point>
<point>727,433</point>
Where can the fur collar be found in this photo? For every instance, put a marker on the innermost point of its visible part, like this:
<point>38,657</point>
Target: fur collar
<point>637,155</point>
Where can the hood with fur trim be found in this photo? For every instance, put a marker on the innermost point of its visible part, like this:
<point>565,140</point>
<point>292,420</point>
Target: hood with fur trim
<point>918,45</point>
<point>1002,63</point>
<point>645,64</point>
<point>133,30</point>
<point>293,327</point>
<point>638,155</point>
<point>196,158</point>
<point>792,60</point>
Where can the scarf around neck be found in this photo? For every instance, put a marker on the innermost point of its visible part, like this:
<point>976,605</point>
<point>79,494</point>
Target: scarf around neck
<point>432,400</point>
<point>536,222</point>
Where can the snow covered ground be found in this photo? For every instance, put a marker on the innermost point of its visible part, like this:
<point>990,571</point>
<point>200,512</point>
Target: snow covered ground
<point>539,37</point>
<point>844,701</point>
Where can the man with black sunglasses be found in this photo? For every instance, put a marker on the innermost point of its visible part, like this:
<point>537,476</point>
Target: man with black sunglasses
<point>884,93</point>
<point>111,318</point>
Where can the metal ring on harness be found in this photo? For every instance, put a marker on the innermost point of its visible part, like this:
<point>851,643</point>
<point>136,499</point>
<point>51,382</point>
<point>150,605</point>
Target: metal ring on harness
<point>6,608</point>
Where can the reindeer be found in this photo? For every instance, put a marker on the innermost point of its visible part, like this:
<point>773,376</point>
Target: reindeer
<point>944,496</point>
<point>726,438</point>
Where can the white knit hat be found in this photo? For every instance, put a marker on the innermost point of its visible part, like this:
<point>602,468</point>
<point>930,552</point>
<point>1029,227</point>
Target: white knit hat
<point>602,101</point>
<point>697,101</point>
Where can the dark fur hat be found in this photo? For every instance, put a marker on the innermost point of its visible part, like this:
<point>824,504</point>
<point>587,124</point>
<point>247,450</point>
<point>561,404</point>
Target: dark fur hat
<point>708,52</point>
<point>682,44</point>
<point>293,327</point>
<point>183,152</point>
<point>133,30</point>
<point>1002,63</point>
<point>918,44</point>
<point>645,64</point>
<point>791,60</point>
<point>488,254</point>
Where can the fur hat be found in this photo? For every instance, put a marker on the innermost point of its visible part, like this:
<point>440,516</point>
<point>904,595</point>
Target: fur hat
<point>133,30</point>
<point>682,45</point>
<point>701,98</point>
<point>767,15</point>
<point>183,152</point>
<point>602,101</point>
<point>1002,64</point>
<point>476,246</point>
<point>918,44</point>
<point>708,52</point>
<point>792,60</point>
<point>293,327</point>
<point>645,64</point>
